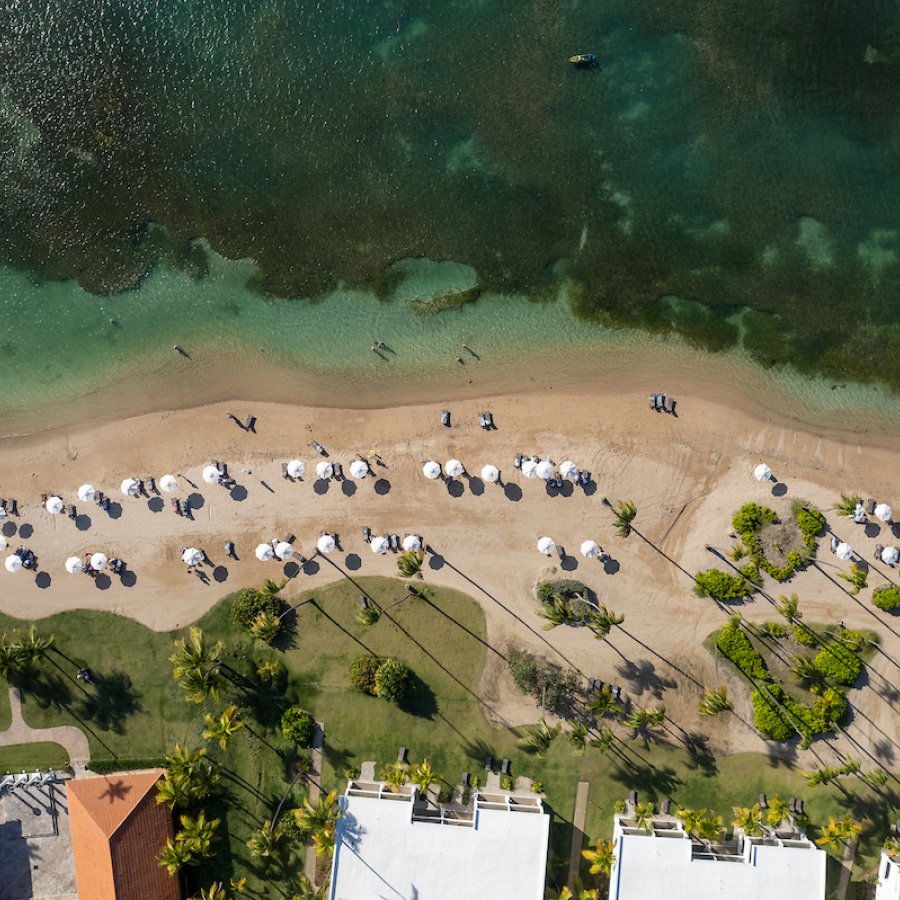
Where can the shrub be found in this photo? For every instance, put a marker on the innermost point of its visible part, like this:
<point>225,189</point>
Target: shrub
<point>839,663</point>
<point>552,686</point>
<point>720,586</point>
<point>567,587</point>
<point>506,782</point>
<point>734,645</point>
<point>391,680</point>
<point>750,570</point>
<point>298,726</point>
<point>886,597</point>
<point>362,673</point>
<point>249,603</point>
<point>811,522</point>
<point>805,636</point>
<point>769,719</point>
<point>291,828</point>
<point>750,517</point>
<point>776,629</point>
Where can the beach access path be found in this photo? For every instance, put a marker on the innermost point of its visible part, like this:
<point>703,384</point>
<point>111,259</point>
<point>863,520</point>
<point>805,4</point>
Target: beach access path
<point>67,736</point>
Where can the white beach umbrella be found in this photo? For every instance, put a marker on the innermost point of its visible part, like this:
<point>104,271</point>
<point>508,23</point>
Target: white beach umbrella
<point>296,468</point>
<point>211,474</point>
<point>546,545</point>
<point>412,542</point>
<point>431,470</point>
<point>843,551</point>
<point>762,472</point>
<point>890,555</point>
<point>324,469</point>
<point>168,483</point>
<point>325,543</point>
<point>73,565</point>
<point>264,552</point>
<point>567,468</point>
<point>2,512</point>
<point>192,556</point>
<point>129,487</point>
<point>99,561</point>
<point>13,563</point>
<point>359,468</point>
<point>283,550</point>
<point>3,542</point>
<point>454,468</point>
<point>529,468</point>
<point>379,544</point>
<point>590,549</point>
<point>54,505</point>
<point>87,493</point>
<point>544,469</point>
<point>883,512</point>
<point>490,473</point>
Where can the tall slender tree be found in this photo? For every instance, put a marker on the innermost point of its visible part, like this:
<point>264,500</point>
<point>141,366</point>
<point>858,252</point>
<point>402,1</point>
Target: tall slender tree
<point>221,728</point>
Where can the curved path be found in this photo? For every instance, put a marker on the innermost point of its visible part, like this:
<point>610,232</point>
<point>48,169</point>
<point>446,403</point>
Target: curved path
<point>68,736</point>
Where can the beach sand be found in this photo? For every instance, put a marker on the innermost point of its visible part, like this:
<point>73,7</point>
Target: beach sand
<point>687,475</point>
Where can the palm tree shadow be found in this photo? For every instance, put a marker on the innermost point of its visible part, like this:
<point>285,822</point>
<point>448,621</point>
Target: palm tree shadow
<point>110,701</point>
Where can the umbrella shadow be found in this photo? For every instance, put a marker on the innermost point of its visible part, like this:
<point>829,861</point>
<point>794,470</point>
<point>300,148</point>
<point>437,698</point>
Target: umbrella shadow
<point>310,567</point>
<point>610,565</point>
<point>382,487</point>
<point>512,492</point>
<point>291,569</point>
<point>353,562</point>
<point>115,510</point>
<point>196,500</point>
<point>43,580</point>
<point>872,529</point>
<point>779,489</point>
<point>128,578</point>
<point>476,486</point>
<point>156,504</point>
<point>9,529</point>
<point>83,522</point>
<point>102,582</point>
<point>455,488</point>
<point>348,488</point>
<point>239,493</point>
<point>568,563</point>
<point>25,531</point>
<point>435,561</point>
<point>321,486</point>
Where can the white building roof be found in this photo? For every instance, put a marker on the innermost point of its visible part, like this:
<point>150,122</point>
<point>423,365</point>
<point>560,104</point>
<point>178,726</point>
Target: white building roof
<point>382,850</point>
<point>888,879</point>
<point>664,864</point>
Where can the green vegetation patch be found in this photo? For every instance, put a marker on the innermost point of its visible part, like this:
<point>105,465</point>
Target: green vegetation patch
<point>886,597</point>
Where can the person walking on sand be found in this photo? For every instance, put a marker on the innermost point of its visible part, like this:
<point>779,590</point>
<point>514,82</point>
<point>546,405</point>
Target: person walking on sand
<point>460,360</point>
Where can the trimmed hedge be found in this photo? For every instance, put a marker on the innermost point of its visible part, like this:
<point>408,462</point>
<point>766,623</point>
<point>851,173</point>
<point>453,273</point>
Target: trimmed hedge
<point>811,523</point>
<point>734,645</point>
<point>567,587</point>
<point>839,663</point>
<point>104,765</point>
<point>886,597</point>
<point>768,718</point>
<point>721,586</point>
<point>775,723</point>
<point>750,518</point>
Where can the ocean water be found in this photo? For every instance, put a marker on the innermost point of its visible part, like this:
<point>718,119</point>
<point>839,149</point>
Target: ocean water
<point>729,173</point>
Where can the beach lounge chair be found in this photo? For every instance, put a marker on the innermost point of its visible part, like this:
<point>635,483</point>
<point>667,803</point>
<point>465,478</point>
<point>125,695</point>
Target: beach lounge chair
<point>151,484</point>
<point>284,472</point>
<point>504,767</point>
<point>319,448</point>
<point>402,755</point>
<point>763,802</point>
<point>660,402</point>
<point>489,764</point>
<point>363,601</point>
<point>489,421</point>
<point>367,534</point>
<point>8,782</point>
<point>71,512</point>
<point>616,691</point>
<point>140,488</point>
<point>394,540</point>
<point>44,498</point>
<point>560,551</point>
<point>792,804</point>
<point>879,549</point>
<point>632,798</point>
<point>445,418</point>
<point>12,506</point>
<point>670,405</point>
<point>665,807</point>
<point>289,538</point>
<point>464,780</point>
<point>652,401</point>
<point>517,462</point>
<point>481,420</point>
<point>337,472</point>
<point>870,507</point>
<point>250,424</point>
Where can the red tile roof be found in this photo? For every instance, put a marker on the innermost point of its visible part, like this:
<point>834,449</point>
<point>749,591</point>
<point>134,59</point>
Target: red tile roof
<point>118,829</point>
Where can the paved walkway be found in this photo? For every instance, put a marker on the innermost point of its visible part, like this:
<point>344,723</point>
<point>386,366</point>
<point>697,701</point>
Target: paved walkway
<point>846,869</point>
<point>68,736</point>
<point>314,793</point>
<point>581,796</point>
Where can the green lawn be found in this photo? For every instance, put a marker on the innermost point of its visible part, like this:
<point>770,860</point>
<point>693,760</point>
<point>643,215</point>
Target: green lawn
<point>28,757</point>
<point>136,711</point>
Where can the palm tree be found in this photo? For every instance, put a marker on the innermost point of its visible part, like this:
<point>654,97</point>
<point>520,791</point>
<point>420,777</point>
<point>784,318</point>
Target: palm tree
<point>808,673</point>
<point>603,703</point>
<point>601,858</point>
<point>557,610</point>
<point>274,587</point>
<point>409,563</point>
<point>175,790</point>
<point>578,738</point>
<point>821,775</point>
<point>850,765</point>
<point>189,777</point>
<point>266,626</point>
<point>691,819</point>
<point>710,829</point>
<point>538,739</point>
<point>604,740</point>
<point>268,671</point>
<point>214,892</point>
<point>778,811</point>
<point>34,645</point>
<point>856,577</point>
<point>175,855</point>
<point>846,506</point>
<point>306,890</point>
<point>222,728</point>
<point>644,720</point>
<point>198,833</point>
<point>368,614</point>
<point>395,775</point>
<point>197,668</point>
<point>625,513</point>
<point>601,621</point>
<point>643,815</point>
<point>320,820</point>
<point>424,776</point>
<point>264,841</point>
<point>840,832</point>
<point>749,819</point>
<point>789,608</point>
<point>714,702</point>
<point>12,660</point>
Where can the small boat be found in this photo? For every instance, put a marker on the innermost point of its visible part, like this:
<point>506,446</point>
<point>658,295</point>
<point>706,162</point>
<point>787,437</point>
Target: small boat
<point>584,59</point>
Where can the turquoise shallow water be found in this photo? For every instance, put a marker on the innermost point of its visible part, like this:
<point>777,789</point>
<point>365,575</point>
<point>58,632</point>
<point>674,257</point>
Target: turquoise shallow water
<point>730,172</point>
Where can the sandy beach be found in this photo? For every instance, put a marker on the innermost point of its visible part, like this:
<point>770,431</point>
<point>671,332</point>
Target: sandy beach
<point>686,475</point>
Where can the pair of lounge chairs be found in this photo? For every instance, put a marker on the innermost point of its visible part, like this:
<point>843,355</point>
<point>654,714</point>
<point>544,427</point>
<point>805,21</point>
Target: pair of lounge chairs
<point>662,403</point>
<point>486,421</point>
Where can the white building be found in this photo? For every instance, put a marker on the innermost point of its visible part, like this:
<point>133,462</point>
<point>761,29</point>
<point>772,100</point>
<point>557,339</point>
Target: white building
<point>888,878</point>
<point>668,863</point>
<point>391,845</point>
